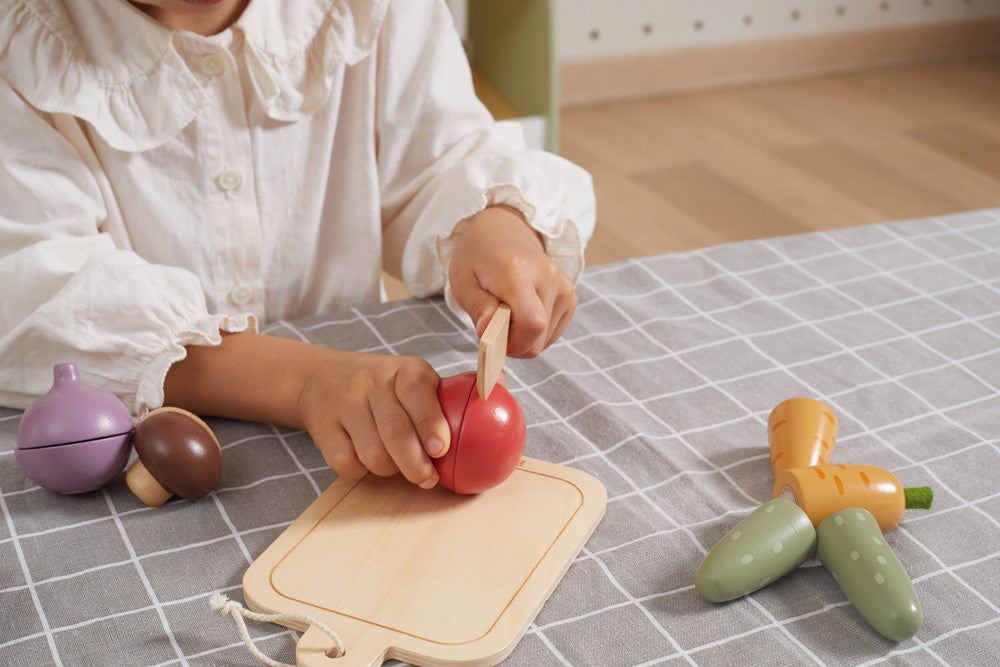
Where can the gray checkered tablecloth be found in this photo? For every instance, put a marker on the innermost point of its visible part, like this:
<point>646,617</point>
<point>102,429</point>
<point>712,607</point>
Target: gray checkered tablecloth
<point>661,388</point>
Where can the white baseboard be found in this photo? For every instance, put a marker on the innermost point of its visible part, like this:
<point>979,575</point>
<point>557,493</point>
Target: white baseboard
<point>644,75</point>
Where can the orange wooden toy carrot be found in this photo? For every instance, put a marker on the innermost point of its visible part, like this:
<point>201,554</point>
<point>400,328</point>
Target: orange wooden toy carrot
<point>801,432</point>
<point>822,490</point>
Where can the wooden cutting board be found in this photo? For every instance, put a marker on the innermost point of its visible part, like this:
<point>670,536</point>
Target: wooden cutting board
<point>428,577</point>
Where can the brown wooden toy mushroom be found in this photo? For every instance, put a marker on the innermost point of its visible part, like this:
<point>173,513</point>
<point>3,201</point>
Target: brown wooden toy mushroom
<point>177,455</point>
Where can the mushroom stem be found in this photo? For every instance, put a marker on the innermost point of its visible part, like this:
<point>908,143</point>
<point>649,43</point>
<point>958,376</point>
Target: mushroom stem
<point>145,486</point>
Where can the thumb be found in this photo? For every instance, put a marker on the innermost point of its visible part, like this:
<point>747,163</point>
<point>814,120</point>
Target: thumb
<point>477,302</point>
<point>487,312</point>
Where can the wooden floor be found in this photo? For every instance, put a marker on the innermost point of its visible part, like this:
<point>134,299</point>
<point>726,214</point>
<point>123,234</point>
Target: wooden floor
<point>698,169</point>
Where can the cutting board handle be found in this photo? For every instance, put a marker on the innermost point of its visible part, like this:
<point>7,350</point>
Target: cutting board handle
<point>362,651</point>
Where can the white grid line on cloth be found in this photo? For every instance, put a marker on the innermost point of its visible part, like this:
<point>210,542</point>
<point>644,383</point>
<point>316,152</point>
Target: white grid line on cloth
<point>950,569</point>
<point>767,298</point>
<point>766,356</point>
<point>256,436</point>
<point>933,409</point>
<point>630,600</point>
<point>707,382</point>
<point>25,571</point>
<point>542,637</point>
<point>702,313</point>
<point>760,608</point>
<point>722,341</point>
<point>641,492</point>
<point>740,511</point>
<point>722,642</point>
<point>55,529</point>
<point>751,375</point>
<point>642,609</point>
<point>965,501</point>
<point>894,379</point>
<point>942,457</point>
<point>51,631</point>
<point>134,559</point>
<point>944,635</point>
<point>887,379</point>
<point>307,472</point>
<point>699,313</point>
<point>679,475</point>
<point>234,534</point>
<point>270,478</point>
<point>880,428</point>
<point>141,510</point>
<point>942,232</point>
<point>933,296</point>
<point>286,632</point>
<point>131,612</point>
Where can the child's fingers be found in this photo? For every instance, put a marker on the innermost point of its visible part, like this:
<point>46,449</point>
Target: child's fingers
<point>416,390</point>
<point>538,317</point>
<point>338,453</point>
<point>564,319</point>
<point>364,432</point>
<point>400,440</point>
<point>529,323</point>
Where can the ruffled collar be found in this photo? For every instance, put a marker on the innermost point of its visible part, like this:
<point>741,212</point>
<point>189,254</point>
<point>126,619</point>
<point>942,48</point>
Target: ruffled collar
<point>108,63</point>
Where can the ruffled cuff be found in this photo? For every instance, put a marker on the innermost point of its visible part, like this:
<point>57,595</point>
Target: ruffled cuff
<point>208,331</point>
<point>561,236</point>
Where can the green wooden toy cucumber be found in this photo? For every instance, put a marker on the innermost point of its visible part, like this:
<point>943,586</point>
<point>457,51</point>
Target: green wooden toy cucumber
<point>851,546</point>
<point>772,541</point>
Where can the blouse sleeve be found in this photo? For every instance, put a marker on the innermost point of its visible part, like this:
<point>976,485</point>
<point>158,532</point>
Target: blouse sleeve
<point>71,293</point>
<point>443,159</point>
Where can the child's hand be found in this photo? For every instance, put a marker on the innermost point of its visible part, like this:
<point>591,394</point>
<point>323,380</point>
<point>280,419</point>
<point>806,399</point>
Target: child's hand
<point>498,257</point>
<point>371,412</point>
<point>364,411</point>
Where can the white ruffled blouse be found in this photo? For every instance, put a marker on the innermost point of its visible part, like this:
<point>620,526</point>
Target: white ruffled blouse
<point>157,186</point>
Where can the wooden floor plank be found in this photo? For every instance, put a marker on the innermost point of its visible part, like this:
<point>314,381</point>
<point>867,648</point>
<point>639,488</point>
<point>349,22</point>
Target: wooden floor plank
<point>697,169</point>
<point>964,143</point>
<point>873,181</point>
<point>773,159</point>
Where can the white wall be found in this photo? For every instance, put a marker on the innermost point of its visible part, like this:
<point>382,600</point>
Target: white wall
<point>600,28</point>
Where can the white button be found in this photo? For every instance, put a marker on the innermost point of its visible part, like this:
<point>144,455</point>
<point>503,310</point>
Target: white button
<point>241,295</point>
<point>213,64</point>
<point>229,179</point>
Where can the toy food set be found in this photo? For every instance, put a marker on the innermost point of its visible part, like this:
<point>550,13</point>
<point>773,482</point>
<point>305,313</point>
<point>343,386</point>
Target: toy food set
<point>487,425</point>
<point>378,568</point>
<point>487,436</point>
<point>77,438</point>
<point>177,455</point>
<point>836,512</point>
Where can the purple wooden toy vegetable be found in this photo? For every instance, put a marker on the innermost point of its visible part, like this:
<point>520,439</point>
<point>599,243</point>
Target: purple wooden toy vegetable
<point>75,438</point>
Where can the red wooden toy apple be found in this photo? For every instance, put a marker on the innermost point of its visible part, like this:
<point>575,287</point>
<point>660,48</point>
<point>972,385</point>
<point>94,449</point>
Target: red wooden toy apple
<point>487,436</point>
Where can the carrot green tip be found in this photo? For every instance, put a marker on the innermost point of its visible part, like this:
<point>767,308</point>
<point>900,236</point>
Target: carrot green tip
<point>918,497</point>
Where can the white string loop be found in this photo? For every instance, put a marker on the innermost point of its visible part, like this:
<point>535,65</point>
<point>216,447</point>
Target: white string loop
<point>238,612</point>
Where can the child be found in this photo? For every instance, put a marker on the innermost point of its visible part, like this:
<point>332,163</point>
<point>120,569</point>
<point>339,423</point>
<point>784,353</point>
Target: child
<point>172,172</point>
